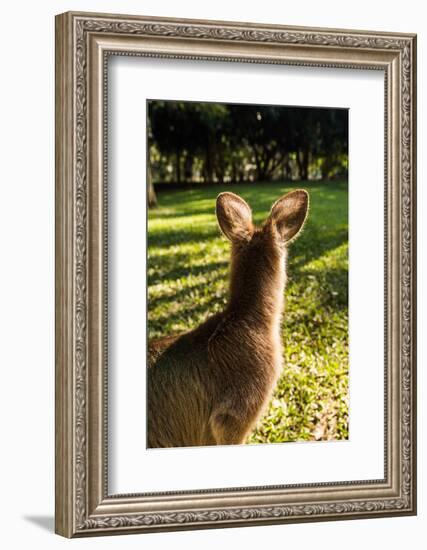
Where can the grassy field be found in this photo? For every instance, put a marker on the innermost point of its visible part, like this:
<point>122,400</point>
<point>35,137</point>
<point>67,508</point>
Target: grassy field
<point>188,264</point>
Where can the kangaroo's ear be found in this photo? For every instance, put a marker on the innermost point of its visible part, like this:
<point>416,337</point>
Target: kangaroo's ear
<point>234,217</point>
<point>289,213</point>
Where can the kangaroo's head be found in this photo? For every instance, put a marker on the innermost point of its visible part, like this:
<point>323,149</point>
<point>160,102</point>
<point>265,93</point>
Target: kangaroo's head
<point>259,252</point>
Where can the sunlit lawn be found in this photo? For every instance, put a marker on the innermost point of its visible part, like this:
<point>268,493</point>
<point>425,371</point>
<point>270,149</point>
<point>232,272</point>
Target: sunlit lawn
<point>188,264</point>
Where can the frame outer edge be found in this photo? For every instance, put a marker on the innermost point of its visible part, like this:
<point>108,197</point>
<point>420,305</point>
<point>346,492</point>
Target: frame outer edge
<point>64,237</point>
<point>414,269</point>
<point>249,25</point>
<point>72,362</point>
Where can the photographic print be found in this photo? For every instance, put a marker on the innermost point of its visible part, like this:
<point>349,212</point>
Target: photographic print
<point>247,274</point>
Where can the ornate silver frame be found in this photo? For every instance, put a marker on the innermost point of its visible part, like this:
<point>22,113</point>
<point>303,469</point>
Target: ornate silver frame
<point>83,42</point>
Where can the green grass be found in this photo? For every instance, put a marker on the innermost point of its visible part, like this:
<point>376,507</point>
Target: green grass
<point>188,264</point>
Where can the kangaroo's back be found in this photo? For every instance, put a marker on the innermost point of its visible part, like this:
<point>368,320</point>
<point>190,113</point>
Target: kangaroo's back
<point>180,388</point>
<point>209,386</point>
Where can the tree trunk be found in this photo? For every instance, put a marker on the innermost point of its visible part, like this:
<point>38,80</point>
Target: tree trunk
<point>305,163</point>
<point>152,198</point>
<point>208,165</point>
<point>178,166</point>
<point>219,167</point>
<point>188,167</point>
<point>302,160</point>
<point>287,169</point>
<point>234,171</point>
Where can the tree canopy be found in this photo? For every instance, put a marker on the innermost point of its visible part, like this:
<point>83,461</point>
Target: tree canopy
<point>219,142</point>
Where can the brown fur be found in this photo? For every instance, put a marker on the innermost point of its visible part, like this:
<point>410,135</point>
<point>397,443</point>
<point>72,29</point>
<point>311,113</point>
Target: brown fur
<point>210,385</point>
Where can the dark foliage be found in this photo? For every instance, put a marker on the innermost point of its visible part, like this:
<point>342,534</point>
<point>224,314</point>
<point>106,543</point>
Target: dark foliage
<point>217,143</point>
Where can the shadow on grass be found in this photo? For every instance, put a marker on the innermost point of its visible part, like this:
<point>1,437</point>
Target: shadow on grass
<point>175,266</point>
<point>156,301</point>
<point>311,245</point>
<point>325,230</point>
<point>329,295</point>
<point>328,201</point>
<point>197,312</point>
<point>171,237</point>
<point>260,196</point>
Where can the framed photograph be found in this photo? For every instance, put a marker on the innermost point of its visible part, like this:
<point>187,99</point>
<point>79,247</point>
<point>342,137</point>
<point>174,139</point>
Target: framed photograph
<point>235,274</point>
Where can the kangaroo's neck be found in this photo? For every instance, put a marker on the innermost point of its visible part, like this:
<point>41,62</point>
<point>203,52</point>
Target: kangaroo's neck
<point>257,290</point>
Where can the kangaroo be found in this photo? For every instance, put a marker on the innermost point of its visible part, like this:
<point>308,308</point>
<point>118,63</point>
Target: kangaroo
<point>209,386</point>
